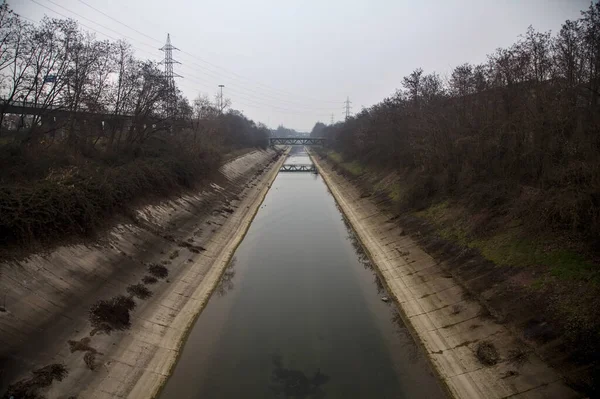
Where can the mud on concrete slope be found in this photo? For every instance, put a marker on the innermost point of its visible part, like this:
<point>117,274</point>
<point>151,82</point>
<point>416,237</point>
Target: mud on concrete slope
<point>115,312</point>
<point>474,356</point>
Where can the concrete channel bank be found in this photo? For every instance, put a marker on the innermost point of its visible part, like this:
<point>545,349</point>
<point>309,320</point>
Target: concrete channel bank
<point>46,320</point>
<point>450,327</point>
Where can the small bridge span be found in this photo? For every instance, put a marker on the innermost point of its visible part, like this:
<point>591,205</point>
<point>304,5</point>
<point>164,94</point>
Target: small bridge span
<point>291,167</point>
<point>296,141</point>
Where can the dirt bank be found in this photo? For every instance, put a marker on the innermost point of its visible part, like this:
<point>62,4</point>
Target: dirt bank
<point>172,256</point>
<point>474,355</point>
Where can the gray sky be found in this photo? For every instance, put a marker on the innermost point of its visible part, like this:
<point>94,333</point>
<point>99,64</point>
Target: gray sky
<point>294,62</point>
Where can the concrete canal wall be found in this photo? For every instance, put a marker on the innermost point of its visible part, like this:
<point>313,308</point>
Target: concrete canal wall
<point>48,296</point>
<point>474,356</point>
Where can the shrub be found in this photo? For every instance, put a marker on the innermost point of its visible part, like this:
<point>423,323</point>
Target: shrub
<point>42,378</point>
<point>149,280</point>
<point>140,291</point>
<point>112,314</point>
<point>158,271</point>
<point>487,354</point>
<point>90,360</point>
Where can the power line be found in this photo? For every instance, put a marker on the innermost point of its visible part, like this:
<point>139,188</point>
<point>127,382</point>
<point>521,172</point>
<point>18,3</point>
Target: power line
<point>196,57</point>
<point>119,22</point>
<point>89,20</point>
<point>215,74</point>
<point>253,102</point>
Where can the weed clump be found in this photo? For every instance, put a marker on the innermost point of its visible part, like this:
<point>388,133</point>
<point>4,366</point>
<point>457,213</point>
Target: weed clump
<point>27,388</point>
<point>487,353</point>
<point>139,290</point>
<point>112,314</point>
<point>518,356</point>
<point>158,271</point>
<point>149,280</point>
<point>456,309</point>
<point>82,345</point>
<point>90,360</point>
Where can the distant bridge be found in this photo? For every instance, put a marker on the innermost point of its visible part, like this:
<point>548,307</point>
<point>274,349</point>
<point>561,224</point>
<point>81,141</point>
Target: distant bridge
<point>296,141</point>
<point>290,167</point>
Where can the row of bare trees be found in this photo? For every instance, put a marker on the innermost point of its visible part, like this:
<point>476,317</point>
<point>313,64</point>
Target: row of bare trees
<point>55,66</point>
<point>527,119</point>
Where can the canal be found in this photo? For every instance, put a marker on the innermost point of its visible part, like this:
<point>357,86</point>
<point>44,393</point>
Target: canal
<point>299,314</point>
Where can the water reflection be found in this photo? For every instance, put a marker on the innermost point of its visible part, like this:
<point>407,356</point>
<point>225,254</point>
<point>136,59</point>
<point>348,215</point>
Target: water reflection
<point>413,351</point>
<point>362,256</point>
<point>396,318</point>
<point>290,383</point>
<point>309,294</point>
<point>226,282</point>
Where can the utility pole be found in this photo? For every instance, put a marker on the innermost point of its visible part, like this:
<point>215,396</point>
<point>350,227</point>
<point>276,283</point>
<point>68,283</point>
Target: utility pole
<point>221,100</point>
<point>170,76</point>
<point>347,107</point>
<point>331,119</point>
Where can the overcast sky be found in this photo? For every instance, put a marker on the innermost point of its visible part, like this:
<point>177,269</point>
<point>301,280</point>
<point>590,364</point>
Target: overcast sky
<point>294,62</point>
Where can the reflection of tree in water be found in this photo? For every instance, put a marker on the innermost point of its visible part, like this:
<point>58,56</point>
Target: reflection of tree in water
<point>226,282</point>
<point>362,256</point>
<point>289,383</point>
<point>407,339</point>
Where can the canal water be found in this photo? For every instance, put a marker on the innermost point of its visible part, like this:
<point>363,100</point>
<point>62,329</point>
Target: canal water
<point>298,313</point>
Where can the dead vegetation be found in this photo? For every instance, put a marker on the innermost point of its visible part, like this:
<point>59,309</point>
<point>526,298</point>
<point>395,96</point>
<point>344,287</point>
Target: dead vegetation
<point>486,353</point>
<point>191,247</point>
<point>65,176</point>
<point>456,309</point>
<point>83,345</point>
<point>139,291</point>
<point>158,271</point>
<point>90,360</point>
<point>518,356</point>
<point>113,314</point>
<point>28,388</point>
<point>148,280</point>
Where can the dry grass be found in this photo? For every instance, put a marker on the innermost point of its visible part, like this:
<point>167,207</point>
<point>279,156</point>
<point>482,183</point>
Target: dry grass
<point>83,345</point>
<point>158,271</point>
<point>28,388</point>
<point>486,353</point>
<point>90,360</point>
<point>112,314</point>
<point>149,280</point>
<point>139,291</point>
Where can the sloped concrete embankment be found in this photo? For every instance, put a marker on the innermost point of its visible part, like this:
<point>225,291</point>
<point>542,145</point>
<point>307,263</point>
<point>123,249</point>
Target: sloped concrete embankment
<point>48,296</point>
<point>473,355</point>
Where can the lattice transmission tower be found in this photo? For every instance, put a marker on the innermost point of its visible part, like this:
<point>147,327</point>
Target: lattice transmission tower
<point>170,76</point>
<point>347,107</point>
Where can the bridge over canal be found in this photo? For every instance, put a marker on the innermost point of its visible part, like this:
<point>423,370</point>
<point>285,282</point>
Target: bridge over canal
<point>296,141</point>
<point>291,167</point>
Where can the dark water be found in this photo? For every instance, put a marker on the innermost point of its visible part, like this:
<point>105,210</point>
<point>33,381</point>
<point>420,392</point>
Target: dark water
<point>299,313</point>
